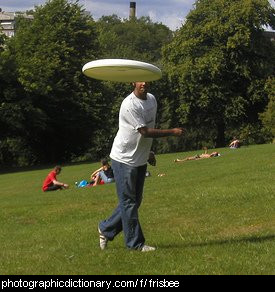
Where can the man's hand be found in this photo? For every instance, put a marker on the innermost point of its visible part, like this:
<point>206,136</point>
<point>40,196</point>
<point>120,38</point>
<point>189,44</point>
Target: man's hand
<point>178,132</point>
<point>152,159</point>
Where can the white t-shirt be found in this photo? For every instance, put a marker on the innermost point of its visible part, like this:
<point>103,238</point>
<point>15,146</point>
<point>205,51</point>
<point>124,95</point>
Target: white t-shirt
<point>129,146</point>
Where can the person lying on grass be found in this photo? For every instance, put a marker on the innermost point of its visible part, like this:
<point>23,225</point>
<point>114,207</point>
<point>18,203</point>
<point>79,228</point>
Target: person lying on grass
<point>201,156</point>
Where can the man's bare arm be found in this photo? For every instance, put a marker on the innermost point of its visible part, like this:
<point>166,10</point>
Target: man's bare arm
<point>158,133</point>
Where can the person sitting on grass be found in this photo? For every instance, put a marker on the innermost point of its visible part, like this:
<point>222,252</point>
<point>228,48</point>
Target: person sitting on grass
<point>104,173</point>
<point>201,156</point>
<point>51,183</point>
<point>235,144</point>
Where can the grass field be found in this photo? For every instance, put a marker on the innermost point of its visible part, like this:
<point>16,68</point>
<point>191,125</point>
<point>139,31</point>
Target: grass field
<point>213,216</point>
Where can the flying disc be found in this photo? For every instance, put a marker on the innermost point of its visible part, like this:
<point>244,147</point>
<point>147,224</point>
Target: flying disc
<point>121,70</point>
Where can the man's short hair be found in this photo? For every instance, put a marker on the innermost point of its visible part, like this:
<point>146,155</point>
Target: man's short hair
<point>57,168</point>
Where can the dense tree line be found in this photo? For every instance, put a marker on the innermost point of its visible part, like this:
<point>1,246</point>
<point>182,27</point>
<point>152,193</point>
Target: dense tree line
<point>218,79</point>
<point>219,62</point>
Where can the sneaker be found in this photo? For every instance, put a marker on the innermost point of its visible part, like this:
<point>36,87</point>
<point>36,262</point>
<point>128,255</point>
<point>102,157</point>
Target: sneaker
<point>147,248</point>
<point>102,240</point>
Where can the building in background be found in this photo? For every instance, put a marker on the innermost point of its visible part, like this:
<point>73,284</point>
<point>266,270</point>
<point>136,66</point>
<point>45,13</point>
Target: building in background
<point>8,19</point>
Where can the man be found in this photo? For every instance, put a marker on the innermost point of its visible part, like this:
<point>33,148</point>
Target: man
<point>235,144</point>
<point>104,173</point>
<point>129,154</point>
<point>51,183</point>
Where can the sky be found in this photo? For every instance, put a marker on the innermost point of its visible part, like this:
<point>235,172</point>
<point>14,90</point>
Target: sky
<point>172,13</point>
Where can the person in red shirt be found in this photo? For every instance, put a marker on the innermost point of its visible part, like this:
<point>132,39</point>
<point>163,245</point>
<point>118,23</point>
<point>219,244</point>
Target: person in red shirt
<point>51,183</point>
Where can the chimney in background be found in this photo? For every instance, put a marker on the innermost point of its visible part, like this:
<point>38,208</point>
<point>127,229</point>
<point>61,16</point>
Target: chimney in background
<point>132,15</point>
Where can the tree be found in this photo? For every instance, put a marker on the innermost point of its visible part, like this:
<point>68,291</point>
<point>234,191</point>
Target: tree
<point>138,39</point>
<point>14,109</point>
<point>268,116</point>
<point>219,62</point>
<point>66,107</point>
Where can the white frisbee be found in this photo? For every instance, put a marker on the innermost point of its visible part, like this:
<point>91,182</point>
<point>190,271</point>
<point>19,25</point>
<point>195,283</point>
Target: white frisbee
<point>121,70</point>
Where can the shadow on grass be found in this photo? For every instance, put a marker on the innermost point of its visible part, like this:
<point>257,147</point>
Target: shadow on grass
<point>246,239</point>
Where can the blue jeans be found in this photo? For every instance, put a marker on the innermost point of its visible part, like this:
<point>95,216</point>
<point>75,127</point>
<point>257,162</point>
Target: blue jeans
<point>129,183</point>
<point>104,177</point>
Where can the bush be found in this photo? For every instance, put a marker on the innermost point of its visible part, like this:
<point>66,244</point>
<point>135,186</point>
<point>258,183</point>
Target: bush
<point>15,152</point>
<point>255,134</point>
<point>268,117</point>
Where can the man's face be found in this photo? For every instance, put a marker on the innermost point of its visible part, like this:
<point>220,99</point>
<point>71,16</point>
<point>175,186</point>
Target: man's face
<point>141,87</point>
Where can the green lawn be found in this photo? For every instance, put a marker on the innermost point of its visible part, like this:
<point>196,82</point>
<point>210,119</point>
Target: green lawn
<point>213,216</point>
